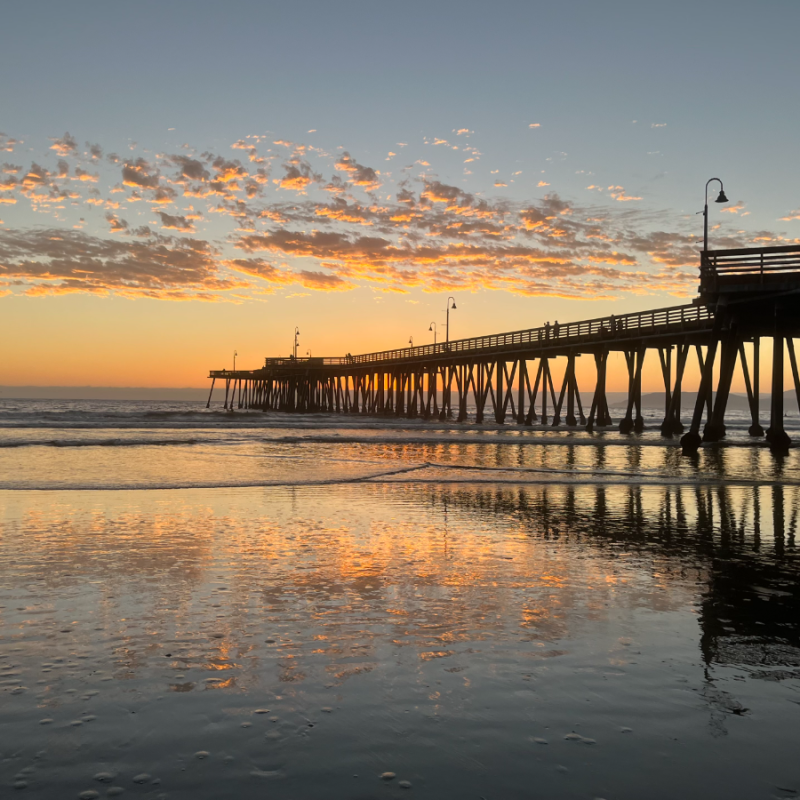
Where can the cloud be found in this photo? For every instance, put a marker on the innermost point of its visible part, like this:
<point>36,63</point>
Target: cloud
<point>365,177</point>
<point>7,143</point>
<point>658,124</point>
<point>65,146</point>
<point>419,232</point>
<point>53,261</point>
<point>534,125</point>
<point>297,177</point>
<point>734,209</point>
<point>619,194</point>
<point>117,225</point>
<point>177,223</point>
<point>792,215</point>
<point>140,173</point>
<point>258,268</point>
<point>189,169</point>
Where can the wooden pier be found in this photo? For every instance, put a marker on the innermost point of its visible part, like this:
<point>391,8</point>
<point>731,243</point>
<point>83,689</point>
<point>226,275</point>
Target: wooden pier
<point>529,376</point>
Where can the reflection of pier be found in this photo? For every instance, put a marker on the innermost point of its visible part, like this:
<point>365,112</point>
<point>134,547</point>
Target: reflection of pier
<point>741,542</point>
<point>529,376</point>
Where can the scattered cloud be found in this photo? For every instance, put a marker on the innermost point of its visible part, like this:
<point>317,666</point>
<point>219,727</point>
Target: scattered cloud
<point>319,223</point>
<point>734,209</point>
<point>64,146</point>
<point>176,223</point>
<point>140,173</point>
<point>620,195</point>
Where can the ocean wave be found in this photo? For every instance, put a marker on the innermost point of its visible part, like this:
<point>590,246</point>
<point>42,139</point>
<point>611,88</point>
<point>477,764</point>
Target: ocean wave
<point>218,484</point>
<point>115,442</point>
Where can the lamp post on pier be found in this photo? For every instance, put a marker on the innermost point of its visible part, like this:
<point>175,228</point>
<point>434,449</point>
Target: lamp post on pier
<point>296,334</point>
<point>234,360</point>
<point>721,198</point>
<point>411,340</point>
<point>432,327</point>
<point>447,335</point>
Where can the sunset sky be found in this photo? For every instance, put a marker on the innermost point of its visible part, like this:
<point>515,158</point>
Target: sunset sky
<point>182,180</point>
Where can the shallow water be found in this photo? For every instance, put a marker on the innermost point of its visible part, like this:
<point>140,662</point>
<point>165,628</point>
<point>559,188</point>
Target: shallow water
<point>498,616</point>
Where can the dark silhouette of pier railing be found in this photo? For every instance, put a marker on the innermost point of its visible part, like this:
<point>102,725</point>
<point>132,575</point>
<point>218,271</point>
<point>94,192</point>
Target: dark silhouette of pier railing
<point>744,295</point>
<point>750,270</point>
<point>611,329</point>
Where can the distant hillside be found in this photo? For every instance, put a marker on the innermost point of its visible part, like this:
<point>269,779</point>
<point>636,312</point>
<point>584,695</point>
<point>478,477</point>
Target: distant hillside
<point>736,402</point>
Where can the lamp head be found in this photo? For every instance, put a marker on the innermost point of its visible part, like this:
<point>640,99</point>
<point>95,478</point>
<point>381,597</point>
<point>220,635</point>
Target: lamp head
<point>721,198</point>
<point>454,305</point>
<point>430,327</point>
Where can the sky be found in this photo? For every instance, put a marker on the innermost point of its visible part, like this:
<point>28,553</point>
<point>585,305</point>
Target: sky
<point>179,181</point>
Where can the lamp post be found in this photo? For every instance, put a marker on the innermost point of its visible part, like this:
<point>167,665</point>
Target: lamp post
<point>447,335</point>
<point>432,327</point>
<point>294,351</point>
<point>720,199</point>
<point>234,360</point>
<point>308,353</point>
<point>411,340</point>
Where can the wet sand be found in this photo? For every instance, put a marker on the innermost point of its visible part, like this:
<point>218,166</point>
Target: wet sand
<point>460,640</point>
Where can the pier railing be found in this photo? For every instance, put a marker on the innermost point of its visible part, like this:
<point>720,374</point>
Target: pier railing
<point>601,329</point>
<point>748,268</point>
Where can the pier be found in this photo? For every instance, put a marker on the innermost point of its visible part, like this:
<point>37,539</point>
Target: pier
<point>528,376</point>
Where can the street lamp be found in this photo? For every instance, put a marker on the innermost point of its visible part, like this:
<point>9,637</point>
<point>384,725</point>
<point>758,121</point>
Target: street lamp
<point>720,199</point>
<point>308,353</point>
<point>433,328</point>
<point>447,335</point>
<point>296,334</point>
<point>234,360</point>
<point>411,340</point>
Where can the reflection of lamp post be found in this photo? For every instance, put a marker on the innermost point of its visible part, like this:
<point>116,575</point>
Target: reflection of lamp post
<point>234,360</point>
<point>433,328</point>
<point>411,340</point>
<point>720,199</point>
<point>447,335</point>
<point>296,334</point>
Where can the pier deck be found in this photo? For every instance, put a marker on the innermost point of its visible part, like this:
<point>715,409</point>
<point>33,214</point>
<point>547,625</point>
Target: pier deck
<point>744,296</point>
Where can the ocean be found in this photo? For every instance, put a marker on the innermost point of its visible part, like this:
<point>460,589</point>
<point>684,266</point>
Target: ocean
<point>203,604</point>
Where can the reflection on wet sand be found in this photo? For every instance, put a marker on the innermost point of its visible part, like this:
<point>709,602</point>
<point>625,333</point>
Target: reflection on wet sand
<point>439,632</point>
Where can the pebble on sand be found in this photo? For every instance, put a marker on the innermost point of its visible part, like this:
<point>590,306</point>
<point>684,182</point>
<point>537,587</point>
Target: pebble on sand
<point>404,784</point>
<point>201,754</point>
<point>388,776</point>
<point>105,777</point>
<point>114,791</point>
<point>143,777</point>
<point>89,794</point>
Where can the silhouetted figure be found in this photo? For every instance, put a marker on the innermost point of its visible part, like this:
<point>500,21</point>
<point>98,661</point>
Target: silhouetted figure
<point>547,330</point>
<point>613,323</point>
<point>556,328</point>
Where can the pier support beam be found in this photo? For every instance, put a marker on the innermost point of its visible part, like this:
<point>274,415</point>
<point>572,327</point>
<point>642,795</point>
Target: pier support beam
<point>779,441</point>
<point>691,441</point>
